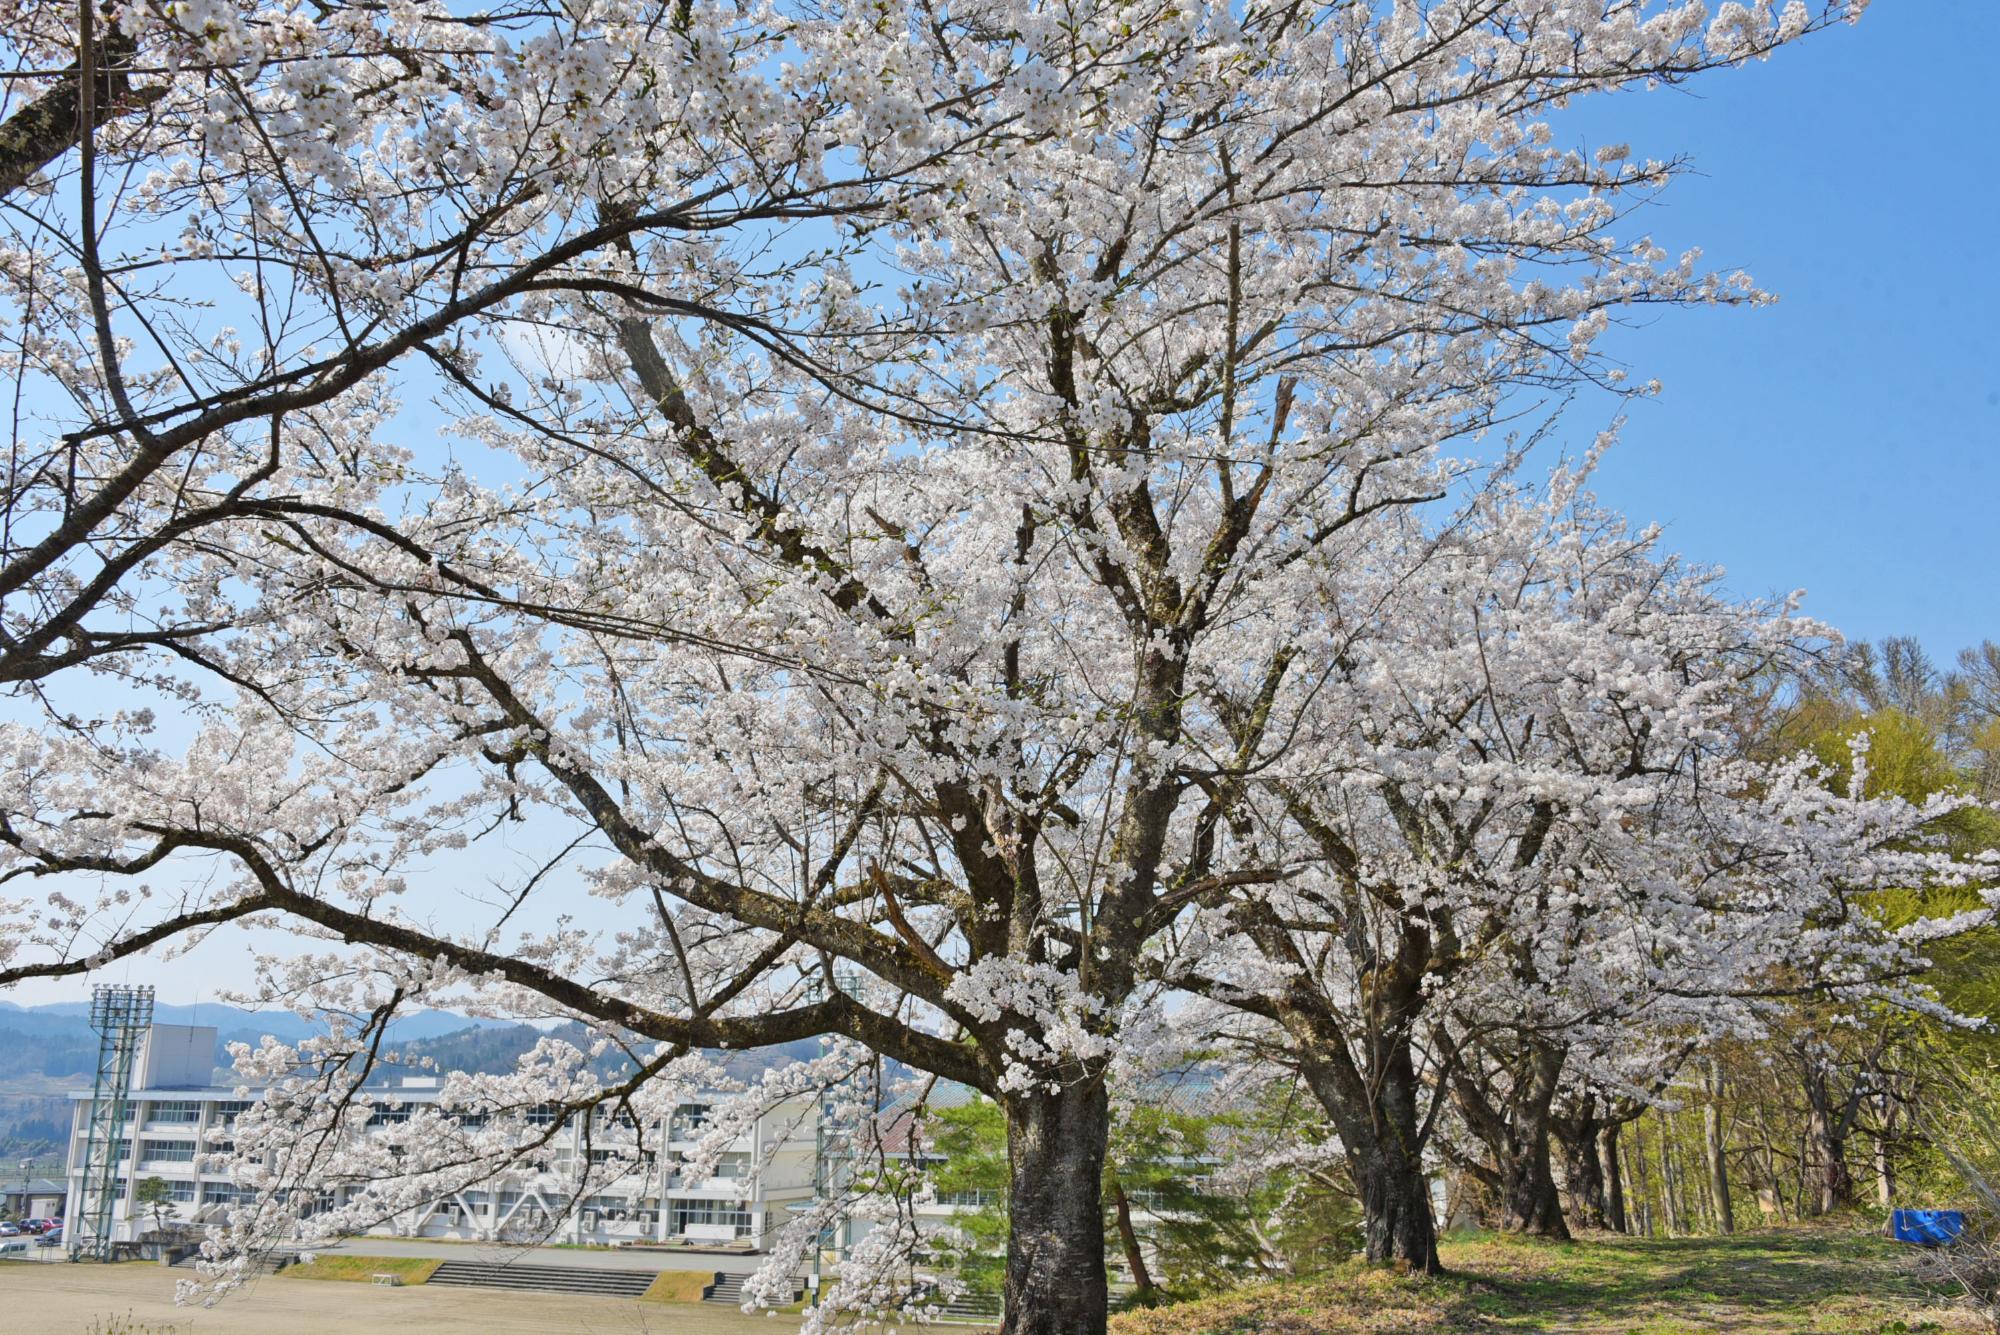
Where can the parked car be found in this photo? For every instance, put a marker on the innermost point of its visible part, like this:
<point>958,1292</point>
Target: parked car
<point>52,1238</point>
<point>8,1230</point>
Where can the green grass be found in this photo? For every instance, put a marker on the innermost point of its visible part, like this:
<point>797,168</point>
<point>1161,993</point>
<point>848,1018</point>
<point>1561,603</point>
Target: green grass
<point>1823,1281</point>
<point>363,1269</point>
<point>678,1286</point>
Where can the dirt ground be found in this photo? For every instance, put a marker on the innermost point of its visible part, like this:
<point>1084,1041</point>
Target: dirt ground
<point>59,1299</point>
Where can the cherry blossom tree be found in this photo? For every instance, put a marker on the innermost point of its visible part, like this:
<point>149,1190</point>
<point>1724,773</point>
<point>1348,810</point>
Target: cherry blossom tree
<point>1544,864</point>
<point>980,638</point>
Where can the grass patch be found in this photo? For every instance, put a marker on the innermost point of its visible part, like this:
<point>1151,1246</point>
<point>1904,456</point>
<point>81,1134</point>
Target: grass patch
<point>1770,1283</point>
<point>678,1286</point>
<point>363,1269</point>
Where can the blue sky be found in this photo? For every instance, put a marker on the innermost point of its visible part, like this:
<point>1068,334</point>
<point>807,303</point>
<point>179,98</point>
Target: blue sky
<point>1846,440</point>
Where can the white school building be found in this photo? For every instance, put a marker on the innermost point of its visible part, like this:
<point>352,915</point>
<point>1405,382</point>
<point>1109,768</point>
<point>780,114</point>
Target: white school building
<point>175,1113</point>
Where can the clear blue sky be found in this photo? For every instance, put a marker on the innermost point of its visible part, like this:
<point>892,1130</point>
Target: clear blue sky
<point>1846,440</point>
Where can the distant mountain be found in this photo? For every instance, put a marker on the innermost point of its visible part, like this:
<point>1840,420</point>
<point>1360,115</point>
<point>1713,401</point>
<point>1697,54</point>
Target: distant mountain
<point>493,1051</point>
<point>237,1024</point>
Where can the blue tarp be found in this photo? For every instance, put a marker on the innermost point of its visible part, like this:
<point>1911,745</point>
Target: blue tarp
<point>1927,1228</point>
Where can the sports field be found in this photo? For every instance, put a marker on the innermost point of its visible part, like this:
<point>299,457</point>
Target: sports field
<point>138,1299</point>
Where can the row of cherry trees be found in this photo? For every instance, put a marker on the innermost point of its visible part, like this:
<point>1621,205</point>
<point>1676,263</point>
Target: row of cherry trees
<point>957,529</point>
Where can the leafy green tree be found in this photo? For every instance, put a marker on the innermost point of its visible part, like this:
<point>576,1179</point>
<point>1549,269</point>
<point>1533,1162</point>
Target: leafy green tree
<point>153,1194</point>
<point>972,1138</point>
<point>1917,732</point>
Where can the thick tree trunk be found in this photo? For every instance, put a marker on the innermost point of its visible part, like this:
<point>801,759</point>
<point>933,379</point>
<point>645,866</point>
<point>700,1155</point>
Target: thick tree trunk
<point>1718,1159</point>
<point>1529,1202</point>
<point>1395,1195</point>
<point>1378,1124</point>
<point>1583,1172</point>
<point>1055,1245</point>
<point>1395,1210</point>
<point>1374,1103</point>
<point>1614,1179</point>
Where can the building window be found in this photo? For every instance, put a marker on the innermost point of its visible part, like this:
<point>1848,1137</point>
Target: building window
<point>686,1213</point>
<point>167,1151</point>
<point>180,1112</point>
<point>688,1122</point>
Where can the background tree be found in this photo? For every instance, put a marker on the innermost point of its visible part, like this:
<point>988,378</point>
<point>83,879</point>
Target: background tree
<point>153,1195</point>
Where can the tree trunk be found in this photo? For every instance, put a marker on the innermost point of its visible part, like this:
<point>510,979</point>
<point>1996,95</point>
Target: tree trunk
<point>1583,1171</point>
<point>1774,1208</point>
<point>1670,1183</point>
<point>1824,1162</point>
<point>1642,1189</point>
<point>1396,1218</point>
<point>1529,1202</point>
<point>1885,1168</point>
<point>1718,1159</point>
<point>1055,1244</point>
<point>1135,1256</point>
<point>1613,1177</point>
<point>1836,1179</point>
<point>1378,1120</point>
<point>1833,1181</point>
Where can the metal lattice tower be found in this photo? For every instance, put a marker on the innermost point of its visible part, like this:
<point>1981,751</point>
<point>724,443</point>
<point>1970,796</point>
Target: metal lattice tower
<point>121,1016</point>
<point>833,1133</point>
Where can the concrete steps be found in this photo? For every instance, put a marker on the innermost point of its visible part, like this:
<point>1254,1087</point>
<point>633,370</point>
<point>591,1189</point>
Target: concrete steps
<point>729,1289</point>
<point>545,1279</point>
<point>973,1307</point>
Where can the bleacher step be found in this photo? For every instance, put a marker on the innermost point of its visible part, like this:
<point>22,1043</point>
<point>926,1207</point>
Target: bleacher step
<point>545,1278</point>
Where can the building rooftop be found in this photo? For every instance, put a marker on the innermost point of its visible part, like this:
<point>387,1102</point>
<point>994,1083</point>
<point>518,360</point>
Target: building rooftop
<point>37,1186</point>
